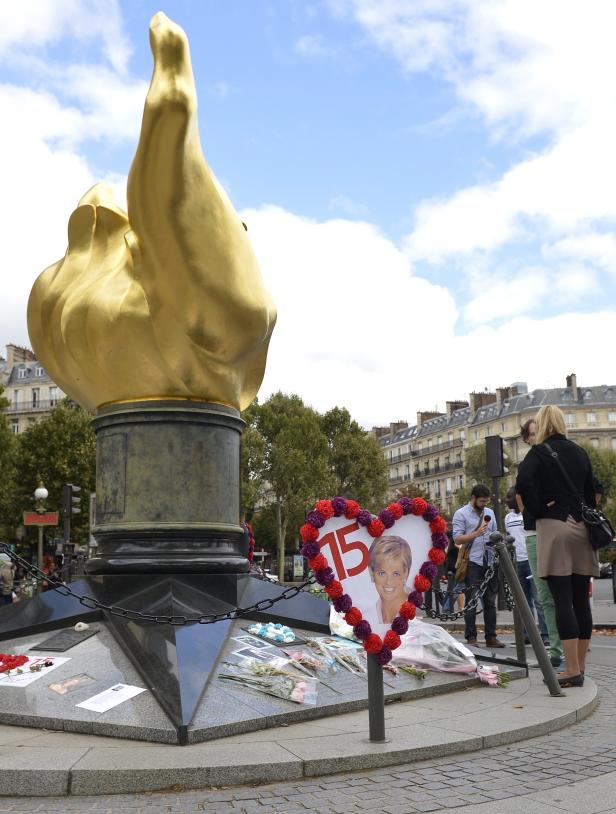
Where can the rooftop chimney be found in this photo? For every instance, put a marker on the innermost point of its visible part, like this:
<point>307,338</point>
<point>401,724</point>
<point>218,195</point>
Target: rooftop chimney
<point>452,406</point>
<point>426,416</point>
<point>572,383</point>
<point>478,400</point>
<point>16,354</point>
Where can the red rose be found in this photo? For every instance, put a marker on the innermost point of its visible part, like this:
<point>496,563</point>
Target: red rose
<point>437,556</point>
<point>319,563</point>
<point>407,610</point>
<point>396,510</point>
<point>334,589</point>
<point>353,509</point>
<point>391,640</point>
<point>376,527</point>
<point>373,643</point>
<point>419,506</point>
<point>353,616</point>
<point>438,526</point>
<point>325,507</point>
<point>422,583</point>
<point>308,533</point>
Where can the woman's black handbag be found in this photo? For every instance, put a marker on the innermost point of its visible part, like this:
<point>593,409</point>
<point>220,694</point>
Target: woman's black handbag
<point>600,531</point>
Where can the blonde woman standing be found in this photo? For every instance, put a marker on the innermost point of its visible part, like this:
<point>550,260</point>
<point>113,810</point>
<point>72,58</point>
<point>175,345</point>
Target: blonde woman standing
<point>565,558</point>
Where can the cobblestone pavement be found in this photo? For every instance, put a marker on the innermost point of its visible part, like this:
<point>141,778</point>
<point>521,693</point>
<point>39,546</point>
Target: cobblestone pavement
<point>547,762</point>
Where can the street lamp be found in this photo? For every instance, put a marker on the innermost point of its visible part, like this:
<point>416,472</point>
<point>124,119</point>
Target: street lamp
<point>40,496</point>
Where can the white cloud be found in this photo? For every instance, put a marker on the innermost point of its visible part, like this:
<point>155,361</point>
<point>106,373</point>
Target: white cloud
<point>356,328</point>
<point>526,69</point>
<point>37,23</point>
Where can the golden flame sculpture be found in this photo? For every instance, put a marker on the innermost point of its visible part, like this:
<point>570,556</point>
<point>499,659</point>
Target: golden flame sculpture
<point>167,300</point>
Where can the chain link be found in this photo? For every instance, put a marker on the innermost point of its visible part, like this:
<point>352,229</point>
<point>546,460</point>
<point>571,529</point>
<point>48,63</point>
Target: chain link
<point>470,606</point>
<point>94,604</point>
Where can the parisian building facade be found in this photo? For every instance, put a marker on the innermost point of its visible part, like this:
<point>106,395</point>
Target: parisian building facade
<point>431,453</point>
<point>30,391</point>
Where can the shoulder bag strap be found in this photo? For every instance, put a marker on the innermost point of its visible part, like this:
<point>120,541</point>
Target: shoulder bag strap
<point>568,480</point>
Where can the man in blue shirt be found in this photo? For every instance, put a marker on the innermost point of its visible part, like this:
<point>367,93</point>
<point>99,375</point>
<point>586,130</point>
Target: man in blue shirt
<point>472,525</point>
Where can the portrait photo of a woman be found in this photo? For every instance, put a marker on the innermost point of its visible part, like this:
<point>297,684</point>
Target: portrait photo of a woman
<point>389,569</point>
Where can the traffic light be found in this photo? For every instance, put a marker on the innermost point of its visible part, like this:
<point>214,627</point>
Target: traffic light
<point>70,497</point>
<point>495,461</point>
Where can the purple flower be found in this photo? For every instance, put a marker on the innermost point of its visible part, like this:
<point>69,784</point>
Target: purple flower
<point>325,576</point>
<point>315,519</point>
<point>364,518</point>
<point>416,597</point>
<point>343,604</point>
<point>362,630</point>
<point>400,625</point>
<point>387,518</point>
<point>406,503</point>
<point>339,505</point>
<point>310,549</point>
<point>384,655</point>
<point>429,570</point>
<point>440,540</point>
<point>431,513</point>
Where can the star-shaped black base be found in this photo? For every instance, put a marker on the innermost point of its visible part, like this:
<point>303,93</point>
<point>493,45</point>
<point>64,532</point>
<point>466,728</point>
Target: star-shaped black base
<point>175,662</point>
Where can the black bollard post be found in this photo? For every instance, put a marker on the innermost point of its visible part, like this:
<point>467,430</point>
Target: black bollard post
<point>376,701</point>
<point>525,615</point>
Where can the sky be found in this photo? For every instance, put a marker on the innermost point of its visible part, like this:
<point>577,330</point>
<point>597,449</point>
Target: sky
<point>429,185</point>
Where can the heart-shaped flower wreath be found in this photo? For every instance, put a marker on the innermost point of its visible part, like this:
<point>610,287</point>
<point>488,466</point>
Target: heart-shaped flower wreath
<point>376,525</point>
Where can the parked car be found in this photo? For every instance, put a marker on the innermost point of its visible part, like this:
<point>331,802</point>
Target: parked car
<point>605,569</point>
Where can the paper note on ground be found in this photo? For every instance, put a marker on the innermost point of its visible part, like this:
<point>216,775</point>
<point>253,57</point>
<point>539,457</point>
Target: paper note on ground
<point>110,698</point>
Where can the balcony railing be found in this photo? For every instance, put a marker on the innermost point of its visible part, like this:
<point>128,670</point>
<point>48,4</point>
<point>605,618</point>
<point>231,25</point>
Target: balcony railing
<point>457,442</point>
<point>31,406</point>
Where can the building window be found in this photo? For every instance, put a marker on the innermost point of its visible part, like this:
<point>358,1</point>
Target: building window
<point>462,435</point>
<point>569,419</point>
<point>614,444</point>
<point>22,373</point>
<point>503,426</point>
<point>35,397</point>
<point>475,435</point>
<point>39,371</point>
<point>53,396</point>
<point>611,417</point>
<point>594,442</point>
<point>591,418</point>
<point>450,437</point>
<point>14,427</point>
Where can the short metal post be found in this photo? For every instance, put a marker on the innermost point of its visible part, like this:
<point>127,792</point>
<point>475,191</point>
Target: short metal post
<point>526,616</point>
<point>614,582</point>
<point>376,701</point>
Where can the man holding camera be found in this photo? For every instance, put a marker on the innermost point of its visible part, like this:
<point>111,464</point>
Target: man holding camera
<point>472,525</point>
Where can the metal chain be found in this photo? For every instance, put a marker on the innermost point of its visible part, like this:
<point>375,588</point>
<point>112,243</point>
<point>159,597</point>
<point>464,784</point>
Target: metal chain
<point>205,619</point>
<point>509,600</point>
<point>470,606</point>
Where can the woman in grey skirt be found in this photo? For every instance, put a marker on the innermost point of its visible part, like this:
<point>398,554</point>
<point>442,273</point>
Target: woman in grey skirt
<point>565,558</point>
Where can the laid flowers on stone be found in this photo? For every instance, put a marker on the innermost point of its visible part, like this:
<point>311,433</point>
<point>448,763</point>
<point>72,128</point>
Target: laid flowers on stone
<point>414,671</point>
<point>10,662</point>
<point>281,685</point>
<point>274,632</point>
<point>490,674</point>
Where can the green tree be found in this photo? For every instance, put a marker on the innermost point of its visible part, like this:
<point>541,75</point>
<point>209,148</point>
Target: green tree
<point>296,471</point>
<point>8,452</point>
<point>603,463</point>
<point>355,459</point>
<point>252,461</point>
<point>60,449</point>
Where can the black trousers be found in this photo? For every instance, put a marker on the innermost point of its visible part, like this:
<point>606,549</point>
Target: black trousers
<point>474,578</point>
<point>572,606</point>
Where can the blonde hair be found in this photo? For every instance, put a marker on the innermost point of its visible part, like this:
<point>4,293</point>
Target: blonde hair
<point>549,419</point>
<point>390,545</point>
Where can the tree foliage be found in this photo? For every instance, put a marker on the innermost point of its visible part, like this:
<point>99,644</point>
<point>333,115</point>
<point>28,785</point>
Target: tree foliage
<point>8,456</point>
<point>603,463</point>
<point>292,456</point>
<point>59,449</point>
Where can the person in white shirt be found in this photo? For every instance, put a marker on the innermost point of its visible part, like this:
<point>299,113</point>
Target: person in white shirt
<point>514,525</point>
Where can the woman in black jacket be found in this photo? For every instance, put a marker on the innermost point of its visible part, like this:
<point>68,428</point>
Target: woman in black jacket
<point>565,557</point>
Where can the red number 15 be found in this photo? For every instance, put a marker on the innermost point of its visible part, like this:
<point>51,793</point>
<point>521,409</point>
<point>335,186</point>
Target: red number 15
<point>338,545</point>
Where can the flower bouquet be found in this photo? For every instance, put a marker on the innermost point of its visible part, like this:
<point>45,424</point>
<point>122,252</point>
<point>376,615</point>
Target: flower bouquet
<point>10,662</point>
<point>432,648</point>
<point>345,656</point>
<point>272,680</point>
<point>490,674</point>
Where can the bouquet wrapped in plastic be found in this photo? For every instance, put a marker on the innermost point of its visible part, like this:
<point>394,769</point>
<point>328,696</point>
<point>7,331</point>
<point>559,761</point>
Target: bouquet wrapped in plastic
<point>432,648</point>
<point>273,680</point>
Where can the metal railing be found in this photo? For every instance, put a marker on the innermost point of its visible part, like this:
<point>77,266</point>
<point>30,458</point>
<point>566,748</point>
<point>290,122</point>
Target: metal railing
<point>31,406</point>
